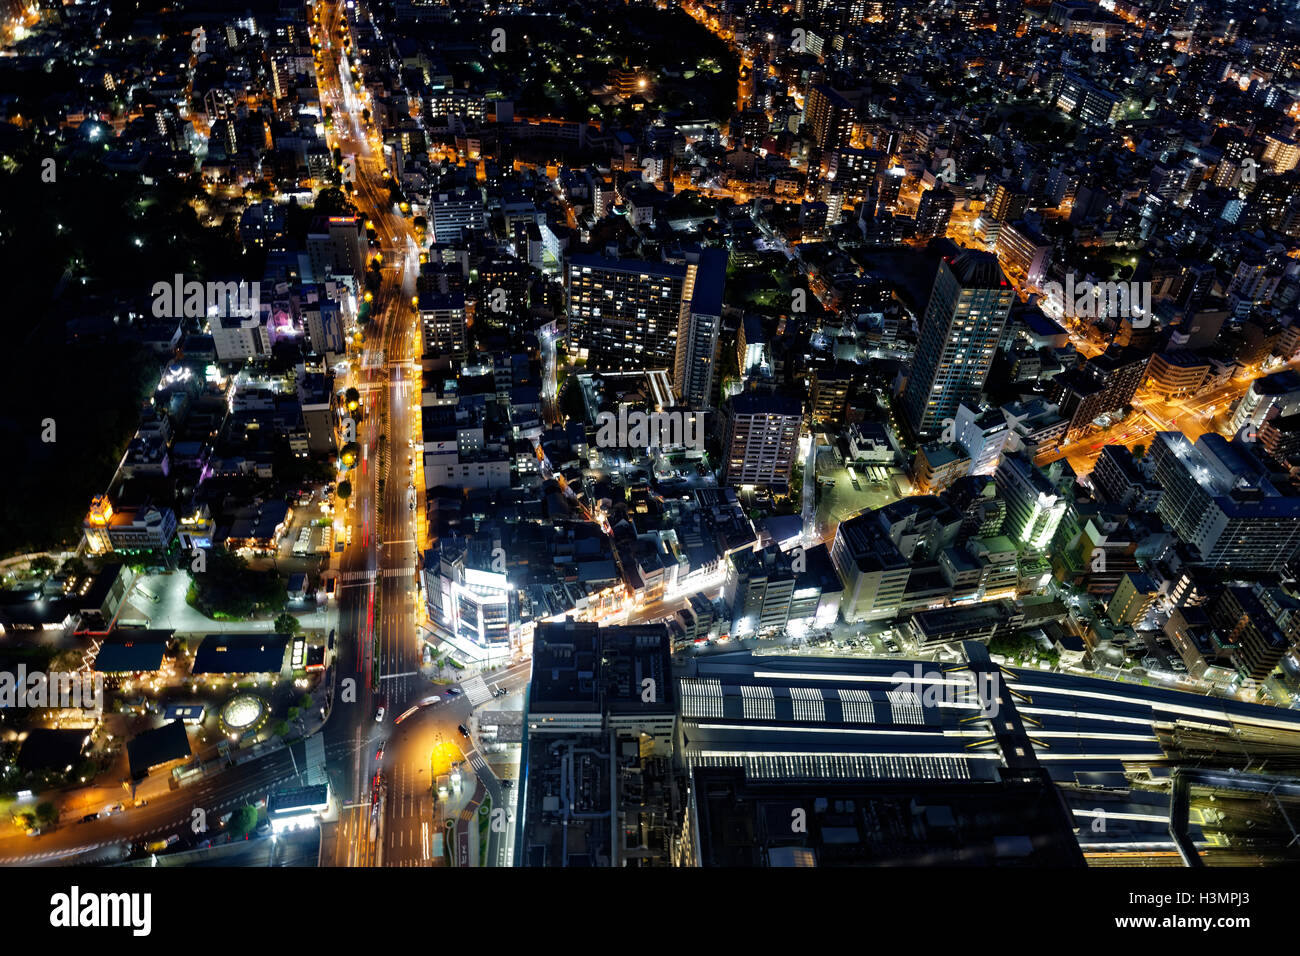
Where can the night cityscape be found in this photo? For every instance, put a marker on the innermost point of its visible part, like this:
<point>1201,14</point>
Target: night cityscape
<point>654,434</point>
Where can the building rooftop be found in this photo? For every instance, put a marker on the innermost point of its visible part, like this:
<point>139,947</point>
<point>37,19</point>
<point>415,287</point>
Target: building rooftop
<point>766,403</point>
<point>241,654</point>
<point>582,668</point>
<point>46,748</point>
<point>128,651</point>
<point>155,747</point>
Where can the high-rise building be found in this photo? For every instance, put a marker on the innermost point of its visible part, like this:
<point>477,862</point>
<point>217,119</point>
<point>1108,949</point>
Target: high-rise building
<point>318,415</point>
<point>1236,149</point>
<point>1281,152</point>
<point>1023,253</point>
<point>584,681</point>
<point>774,589</point>
<point>451,213</point>
<point>625,313</point>
<point>874,553</point>
<point>984,436</point>
<point>933,212</point>
<point>1220,500</point>
<point>1035,506</point>
<point>938,465</point>
<point>1116,479</point>
<point>960,331</point>
<point>1243,621</point>
<point>1103,385</point>
<point>1270,200</point>
<point>889,183</point>
<point>1132,599</point>
<point>339,248</point>
<point>1006,204</point>
<point>467,599</point>
<point>761,439</point>
<point>831,383</point>
<point>1278,390</point>
<point>1176,373</point>
<point>602,706</point>
<point>1087,101</point>
<point>510,276</point>
<point>1009,15</point>
<point>830,115</point>
<point>854,170</point>
<point>701,321</point>
<point>443,320</point>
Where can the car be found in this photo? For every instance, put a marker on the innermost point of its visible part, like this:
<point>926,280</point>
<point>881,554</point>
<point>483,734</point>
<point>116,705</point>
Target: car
<point>379,754</point>
<point>89,816</point>
<point>452,692</point>
<point>463,731</point>
<point>34,832</point>
<point>379,714</point>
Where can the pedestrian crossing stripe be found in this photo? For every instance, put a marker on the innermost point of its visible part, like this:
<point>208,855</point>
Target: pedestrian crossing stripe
<point>476,690</point>
<point>348,577</point>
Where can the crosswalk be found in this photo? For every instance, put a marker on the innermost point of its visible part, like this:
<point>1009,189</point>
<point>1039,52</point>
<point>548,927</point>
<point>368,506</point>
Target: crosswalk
<point>476,690</point>
<point>353,577</point>
<point>477,762</point>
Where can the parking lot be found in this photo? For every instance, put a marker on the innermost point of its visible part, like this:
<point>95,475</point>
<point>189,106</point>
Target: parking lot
<point>845,497</point>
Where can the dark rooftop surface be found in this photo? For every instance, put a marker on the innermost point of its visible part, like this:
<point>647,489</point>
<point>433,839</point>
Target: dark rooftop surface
<point>241,654</point>
<point>153,747</point>
<point>47,748</point>
<point>130,651</point>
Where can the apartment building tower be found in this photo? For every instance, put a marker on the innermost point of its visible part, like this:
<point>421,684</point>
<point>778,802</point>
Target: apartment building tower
<point>960,330</point>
